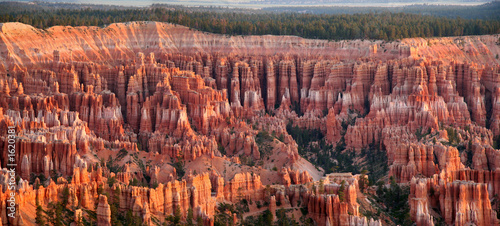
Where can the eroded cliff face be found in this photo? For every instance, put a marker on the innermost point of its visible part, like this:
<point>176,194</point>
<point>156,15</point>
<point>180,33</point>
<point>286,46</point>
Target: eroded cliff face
<point>179,119</point>
<point>461,202</point>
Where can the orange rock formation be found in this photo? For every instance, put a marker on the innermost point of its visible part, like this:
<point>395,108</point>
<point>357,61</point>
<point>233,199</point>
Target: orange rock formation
<point>137,102</point>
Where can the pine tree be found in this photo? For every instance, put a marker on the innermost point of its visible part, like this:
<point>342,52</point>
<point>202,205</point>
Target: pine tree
<point>341,191</point>
<point>39,219</point>
<point>189,218</point>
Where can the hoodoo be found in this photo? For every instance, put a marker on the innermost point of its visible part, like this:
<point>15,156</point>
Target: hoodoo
<point>155,123</point>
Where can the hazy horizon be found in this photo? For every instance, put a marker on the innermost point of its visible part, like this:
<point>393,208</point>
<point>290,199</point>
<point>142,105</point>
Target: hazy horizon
<point>268,3</point>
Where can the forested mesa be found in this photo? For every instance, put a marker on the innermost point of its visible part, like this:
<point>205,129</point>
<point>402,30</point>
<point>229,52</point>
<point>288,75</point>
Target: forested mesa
<point>383,25</point>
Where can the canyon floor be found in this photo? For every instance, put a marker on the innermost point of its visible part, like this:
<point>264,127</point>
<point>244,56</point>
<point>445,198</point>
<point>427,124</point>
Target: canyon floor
<point>154,123</point>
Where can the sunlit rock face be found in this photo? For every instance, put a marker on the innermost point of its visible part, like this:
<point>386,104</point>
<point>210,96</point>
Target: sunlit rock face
<point>164,118</point>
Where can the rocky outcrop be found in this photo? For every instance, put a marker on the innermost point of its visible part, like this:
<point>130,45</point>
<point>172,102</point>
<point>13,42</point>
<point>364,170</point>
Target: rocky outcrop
<point>420,202</point>
<point>238,140</point>
<point>195,193</point>
<point>102,112</point>
<point>335,204</point>
<point>289,177</point>
<point>406,161</point>
<point>460,202</point>
<point>103,211</point>
<point>272,206</point>
<point>244,186</point>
